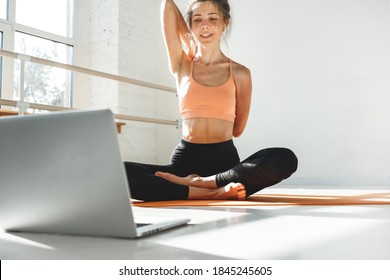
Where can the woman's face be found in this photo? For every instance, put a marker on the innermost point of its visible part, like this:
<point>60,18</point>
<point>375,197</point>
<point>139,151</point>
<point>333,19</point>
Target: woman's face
<point>207,23</point>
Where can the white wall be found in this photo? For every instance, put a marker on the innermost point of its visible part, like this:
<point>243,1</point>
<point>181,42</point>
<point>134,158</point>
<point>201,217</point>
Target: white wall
<point>123,37</point>
<point>321,75</point>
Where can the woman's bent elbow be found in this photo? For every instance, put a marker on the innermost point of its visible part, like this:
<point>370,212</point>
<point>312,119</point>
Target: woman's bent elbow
<point>237,132</point>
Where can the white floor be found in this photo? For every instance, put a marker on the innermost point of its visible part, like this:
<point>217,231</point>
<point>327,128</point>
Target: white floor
<point>272,233</point>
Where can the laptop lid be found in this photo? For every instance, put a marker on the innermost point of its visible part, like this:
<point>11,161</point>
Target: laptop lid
<point>63,173</point>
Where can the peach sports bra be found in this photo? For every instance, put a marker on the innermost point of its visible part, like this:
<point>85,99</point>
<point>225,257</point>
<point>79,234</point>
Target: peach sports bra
<point>200,101</point>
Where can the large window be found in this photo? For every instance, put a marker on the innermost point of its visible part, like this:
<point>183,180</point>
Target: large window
<point>44,29</point>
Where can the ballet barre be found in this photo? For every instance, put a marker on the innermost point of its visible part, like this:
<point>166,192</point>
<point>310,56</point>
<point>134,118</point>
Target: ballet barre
<point>18,104</point>
<point>87,71</point>
<point>23,106</point>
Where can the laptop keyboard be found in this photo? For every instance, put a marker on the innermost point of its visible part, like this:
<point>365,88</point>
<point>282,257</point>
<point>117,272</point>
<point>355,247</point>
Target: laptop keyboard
<point>141,225</point>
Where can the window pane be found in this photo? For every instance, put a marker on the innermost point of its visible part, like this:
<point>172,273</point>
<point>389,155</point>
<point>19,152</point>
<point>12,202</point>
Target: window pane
<point>47,15</point>
<point>3,9</point>
<point>43,48</point>
<point>43,84</point>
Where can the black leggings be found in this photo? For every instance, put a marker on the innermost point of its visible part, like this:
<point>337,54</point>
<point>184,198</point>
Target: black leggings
<point>263,169</point>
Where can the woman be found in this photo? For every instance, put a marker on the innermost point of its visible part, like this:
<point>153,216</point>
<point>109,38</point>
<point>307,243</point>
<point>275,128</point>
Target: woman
<point>214,99</point>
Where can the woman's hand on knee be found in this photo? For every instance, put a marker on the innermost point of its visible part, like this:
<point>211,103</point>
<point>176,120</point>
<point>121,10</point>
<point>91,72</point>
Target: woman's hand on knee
<point>189,180</point>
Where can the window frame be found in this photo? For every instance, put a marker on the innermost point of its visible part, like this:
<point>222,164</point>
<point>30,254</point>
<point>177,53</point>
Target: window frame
<point>7,71</point>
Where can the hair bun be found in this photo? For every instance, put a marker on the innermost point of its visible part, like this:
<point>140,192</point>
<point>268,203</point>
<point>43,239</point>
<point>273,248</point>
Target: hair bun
<point>224,4</point>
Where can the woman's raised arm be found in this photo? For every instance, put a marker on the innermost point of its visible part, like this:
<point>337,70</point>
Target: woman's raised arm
<point>175,33</point>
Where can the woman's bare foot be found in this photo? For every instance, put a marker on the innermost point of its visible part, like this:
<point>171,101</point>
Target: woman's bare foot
<point>232,191</point>
<point>192,180</point>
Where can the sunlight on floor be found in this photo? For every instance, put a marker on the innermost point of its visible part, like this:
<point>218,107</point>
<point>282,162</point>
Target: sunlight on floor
<point>278,237</point>
<point>9,237</point>
<point>197,216</point>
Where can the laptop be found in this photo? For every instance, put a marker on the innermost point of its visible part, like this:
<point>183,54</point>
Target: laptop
<point>63,173</point>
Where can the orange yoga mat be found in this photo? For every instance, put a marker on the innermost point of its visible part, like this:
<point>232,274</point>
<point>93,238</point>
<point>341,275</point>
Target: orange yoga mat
<point>280,200</point>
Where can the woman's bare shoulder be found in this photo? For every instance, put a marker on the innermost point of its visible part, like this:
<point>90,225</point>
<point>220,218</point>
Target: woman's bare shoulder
<point>241,73</point>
